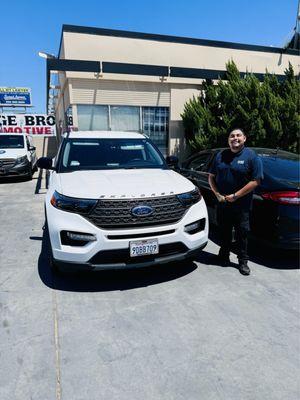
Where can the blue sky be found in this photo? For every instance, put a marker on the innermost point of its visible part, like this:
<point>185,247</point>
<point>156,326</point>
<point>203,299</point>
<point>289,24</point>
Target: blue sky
<point>32,25</point>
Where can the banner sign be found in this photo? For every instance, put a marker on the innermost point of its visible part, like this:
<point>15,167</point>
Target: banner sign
<point>17,96</point>
<point>32,124</point>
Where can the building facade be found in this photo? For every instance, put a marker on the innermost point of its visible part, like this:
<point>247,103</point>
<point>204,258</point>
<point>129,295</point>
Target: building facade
<point>117,80</point>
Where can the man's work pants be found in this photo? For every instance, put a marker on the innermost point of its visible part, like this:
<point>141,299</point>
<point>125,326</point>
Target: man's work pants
<point>228,217</point>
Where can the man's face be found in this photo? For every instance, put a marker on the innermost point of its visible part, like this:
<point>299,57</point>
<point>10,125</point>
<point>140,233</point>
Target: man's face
<point>236,140</point>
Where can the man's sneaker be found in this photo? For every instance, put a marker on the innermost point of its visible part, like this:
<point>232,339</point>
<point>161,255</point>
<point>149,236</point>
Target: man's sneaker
<point>243,268</point>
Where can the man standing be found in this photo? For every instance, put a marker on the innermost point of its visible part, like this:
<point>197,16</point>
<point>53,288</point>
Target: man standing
<point>233,176</point>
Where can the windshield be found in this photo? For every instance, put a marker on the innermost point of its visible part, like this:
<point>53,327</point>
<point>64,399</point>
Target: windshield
<point>86,154</point>
<point>11,142</point>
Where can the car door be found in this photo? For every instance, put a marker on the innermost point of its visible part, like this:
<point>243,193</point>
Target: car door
<point>196,169</point>
<point>210,198</point>
<point>194,164</point>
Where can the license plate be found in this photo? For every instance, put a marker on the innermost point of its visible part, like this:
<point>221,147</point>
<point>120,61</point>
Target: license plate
<point>143,247</point>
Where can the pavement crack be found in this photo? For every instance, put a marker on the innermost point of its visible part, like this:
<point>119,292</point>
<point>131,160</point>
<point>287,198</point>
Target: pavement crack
<point>56,344</point>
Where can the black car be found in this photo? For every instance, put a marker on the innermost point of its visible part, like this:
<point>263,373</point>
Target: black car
<point>274,218</point>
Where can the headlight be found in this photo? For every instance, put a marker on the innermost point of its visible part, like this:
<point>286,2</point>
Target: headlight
<point>71,204</point>
<point>190,198</point>
<point>21,160</point>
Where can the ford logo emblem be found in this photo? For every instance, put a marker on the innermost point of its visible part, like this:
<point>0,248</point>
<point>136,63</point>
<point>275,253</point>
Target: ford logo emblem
<point>142,211</point>
<point>2,151</point>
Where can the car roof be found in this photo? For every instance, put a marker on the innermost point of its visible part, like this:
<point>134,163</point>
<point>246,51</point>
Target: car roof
<point>264,152</point>
<point>276,154</point>
<point>280,166</point>
<point>104,135</point>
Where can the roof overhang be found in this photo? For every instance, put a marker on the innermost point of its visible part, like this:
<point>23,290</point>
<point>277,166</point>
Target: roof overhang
<point>98,67</point>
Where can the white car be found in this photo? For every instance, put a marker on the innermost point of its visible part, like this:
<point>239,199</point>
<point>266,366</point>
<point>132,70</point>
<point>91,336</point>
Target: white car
<point>114,203</point>
<point>17,155</point>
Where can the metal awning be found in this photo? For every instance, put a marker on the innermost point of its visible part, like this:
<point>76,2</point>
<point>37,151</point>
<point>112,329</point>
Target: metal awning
<point>99,67</point>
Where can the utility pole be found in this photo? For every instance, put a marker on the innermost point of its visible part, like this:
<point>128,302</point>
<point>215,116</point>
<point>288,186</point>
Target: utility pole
<point>298,24</point>
<point>294,37</point>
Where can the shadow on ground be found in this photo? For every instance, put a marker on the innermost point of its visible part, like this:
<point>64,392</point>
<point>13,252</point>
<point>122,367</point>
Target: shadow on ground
<point>259,253</point>
<point>39,181</point>
<point>14,179</point>
<point>211,259</point>
<point>107,280</point>
<point>135,278</point>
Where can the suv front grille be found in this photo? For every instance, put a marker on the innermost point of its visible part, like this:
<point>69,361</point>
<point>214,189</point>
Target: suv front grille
<point>7,162</point>
<point>116,214</point>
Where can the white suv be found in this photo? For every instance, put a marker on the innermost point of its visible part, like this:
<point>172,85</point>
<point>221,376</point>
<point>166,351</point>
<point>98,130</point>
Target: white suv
<point>17,155</point>
<point>114,203</point>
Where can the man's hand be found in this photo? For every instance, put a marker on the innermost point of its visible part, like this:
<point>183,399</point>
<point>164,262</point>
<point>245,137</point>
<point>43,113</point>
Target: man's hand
<point>220,197</point>
<point>230,198</point>
<point>249,187</point>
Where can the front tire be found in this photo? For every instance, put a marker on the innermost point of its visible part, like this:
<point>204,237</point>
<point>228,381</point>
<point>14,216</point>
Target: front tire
<point>30,173</point>
<point>51,261</point>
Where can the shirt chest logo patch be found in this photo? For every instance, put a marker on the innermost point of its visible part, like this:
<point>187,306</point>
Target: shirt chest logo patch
<point>241,162</point>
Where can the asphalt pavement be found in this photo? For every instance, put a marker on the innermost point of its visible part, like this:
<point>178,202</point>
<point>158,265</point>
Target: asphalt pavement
<point>189,331</point>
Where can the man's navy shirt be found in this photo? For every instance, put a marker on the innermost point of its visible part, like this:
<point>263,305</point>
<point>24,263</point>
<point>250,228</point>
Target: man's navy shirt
<point>234,170</point>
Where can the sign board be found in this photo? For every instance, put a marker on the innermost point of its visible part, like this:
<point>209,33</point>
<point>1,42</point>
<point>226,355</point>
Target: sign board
<point>32,124</point>
<point>15,96</point>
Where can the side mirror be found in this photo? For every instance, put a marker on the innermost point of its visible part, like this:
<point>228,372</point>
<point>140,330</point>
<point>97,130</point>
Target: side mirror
<point>31,148</point>
<point>45,163</point>
<point>172,161</point>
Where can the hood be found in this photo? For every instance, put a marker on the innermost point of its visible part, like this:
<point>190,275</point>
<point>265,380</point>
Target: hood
<point>12,153</point>
<point>120,184</point>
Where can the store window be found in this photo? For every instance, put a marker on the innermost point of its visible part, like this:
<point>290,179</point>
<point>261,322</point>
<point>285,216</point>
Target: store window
<point>156,126</point>
<point>152,121</point>
<point>125,118</point>
<point>92,118</point>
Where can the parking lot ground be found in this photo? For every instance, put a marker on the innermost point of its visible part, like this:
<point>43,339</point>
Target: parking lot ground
<point>194,331</point>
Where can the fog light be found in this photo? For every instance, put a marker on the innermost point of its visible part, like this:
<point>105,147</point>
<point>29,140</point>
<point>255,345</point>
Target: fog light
<point>76,238</point>
<point>85,237</point>
<point>195,227</point>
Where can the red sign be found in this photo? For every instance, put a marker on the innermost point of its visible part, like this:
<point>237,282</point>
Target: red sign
<point>33,124</point>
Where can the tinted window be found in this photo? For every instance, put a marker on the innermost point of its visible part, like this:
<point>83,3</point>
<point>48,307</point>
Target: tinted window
<point>84,154</point>
<point>11,142</point>
<point>198,163</point>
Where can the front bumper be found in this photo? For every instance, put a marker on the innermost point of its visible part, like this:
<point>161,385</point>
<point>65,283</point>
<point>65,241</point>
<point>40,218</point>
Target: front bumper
<point>117,241</point>
<point>288,244</point>
<point>74,266</point>
<point>279,243</point>
<point>17,170</point>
